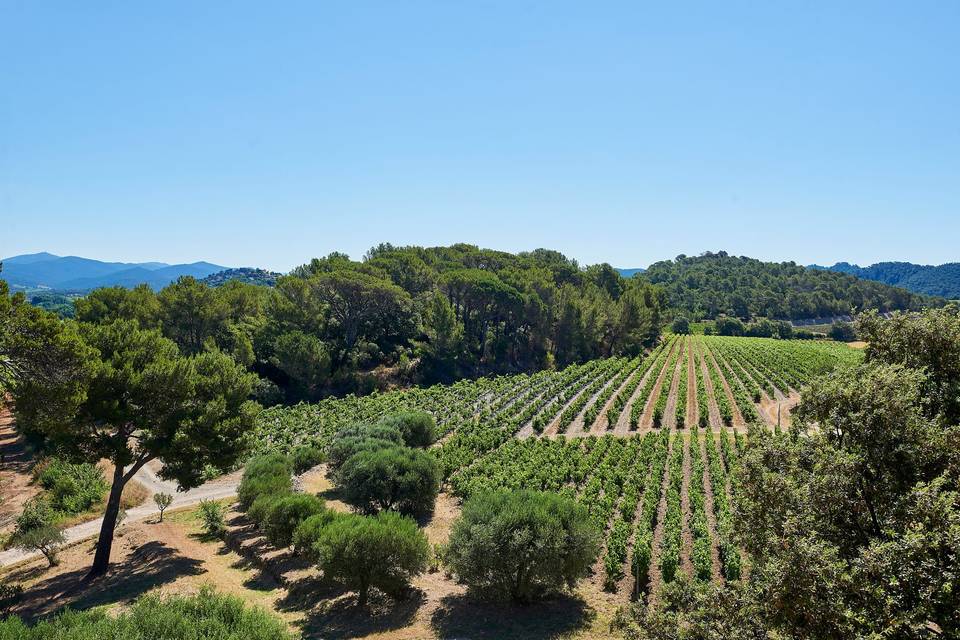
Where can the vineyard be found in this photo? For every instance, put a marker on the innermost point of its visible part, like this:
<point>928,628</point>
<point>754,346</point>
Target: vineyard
<point>662,498</point>
<point>709,381</point>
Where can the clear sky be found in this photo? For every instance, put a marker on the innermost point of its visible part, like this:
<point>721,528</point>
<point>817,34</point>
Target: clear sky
<point>265,133</point>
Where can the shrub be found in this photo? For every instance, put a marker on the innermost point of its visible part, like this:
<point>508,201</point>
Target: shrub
<point>306,457</point>
<point>37,530</point>
<point>72,488</point>
<point>265,475</point>
<point>307,533</point>
<point>521,545</point>
<point>343,448</point>
<point>162,500</point>
<point>417,428</point>
<point>205,615</point>
<point>286,514</point>
<point>397,478</point>
<point>384,551</point>
<point>212,517</point>
<point>681,325</point>
<point>261,507</point>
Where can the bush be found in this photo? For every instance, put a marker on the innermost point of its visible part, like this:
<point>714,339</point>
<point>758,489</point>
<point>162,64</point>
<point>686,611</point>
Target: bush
<point>286,514</point>
<point>355,438</point>
<point>72,488</point>
<point>680,326</point>
<point>384,551</point>
<point>262,506</point>
<point>305,536</point>
<point>205,615</point>
<point>398,478</point>
<point>212,517</point>
<point>842,332</point>
<point>265,475</point>
<point>417,428</point>
<point>306,457</point>
<point>521,545</point>
<point>36,529</point>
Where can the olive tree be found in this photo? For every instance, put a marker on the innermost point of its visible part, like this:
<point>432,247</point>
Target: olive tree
<point>521,545</point>
<point>384,551</point>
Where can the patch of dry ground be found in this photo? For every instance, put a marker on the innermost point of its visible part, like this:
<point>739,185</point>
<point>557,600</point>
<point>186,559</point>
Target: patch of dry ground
<point>176,557</point>
<point>16,479</point>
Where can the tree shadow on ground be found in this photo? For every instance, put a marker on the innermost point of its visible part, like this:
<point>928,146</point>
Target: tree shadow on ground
<point>460,616</point>
<point>272,565</point>
<point>149,566</point>
<point>342,617</point>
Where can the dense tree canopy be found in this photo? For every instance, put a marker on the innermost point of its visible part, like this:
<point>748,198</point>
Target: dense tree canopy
<point>713,284</point>
<point>135,398</point>
<point>402,314</point>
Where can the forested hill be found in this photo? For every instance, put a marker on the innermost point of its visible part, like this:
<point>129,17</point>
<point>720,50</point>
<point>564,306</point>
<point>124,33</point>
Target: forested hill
<point>942,280</point>
<point>712,284</point>
<point>400,315</point>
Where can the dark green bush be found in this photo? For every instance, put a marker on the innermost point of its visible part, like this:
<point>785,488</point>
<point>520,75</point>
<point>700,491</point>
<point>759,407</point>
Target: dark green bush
<point>521,545</point>
<point>417,428</point>
<point>203,616</point>
<point>345,448</point>
<point>305,536</point>
<point>286,514</point>
<point>261,507</point>
<point>396,478</point>
<point>384,551</point>
<point>72,488</point>
<point>307,457</point>
<point>265,475</point>
<point>212,517</point>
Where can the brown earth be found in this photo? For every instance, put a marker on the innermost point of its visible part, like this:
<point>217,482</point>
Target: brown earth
<point>686,535</point>
<point>656,577</point>
<point>16,479</point>
<point>708,505</point>
<point>738,420</point>
<point>175,557</point>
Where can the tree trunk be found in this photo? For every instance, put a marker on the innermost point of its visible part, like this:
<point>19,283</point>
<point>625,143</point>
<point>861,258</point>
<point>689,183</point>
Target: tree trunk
<point>364,591</point>
<point>101,561</point>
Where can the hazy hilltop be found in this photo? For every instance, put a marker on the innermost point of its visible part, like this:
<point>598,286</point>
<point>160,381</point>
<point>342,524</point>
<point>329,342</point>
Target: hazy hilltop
<point>73,273</point>
<point>940,280</point>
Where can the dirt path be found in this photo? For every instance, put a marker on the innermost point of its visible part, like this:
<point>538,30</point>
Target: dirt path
<point>693,410</point>
<point>577,426</point>
<point>553,426</point>
<point>656,576</point>
<point>643,422</point>
<point>686,535</point>
<point>670,409</point>
<point>223,487</point>
<point>623,421</point>
<point>738,420</point>
<point>15,472</point>
<point>716,420</point>
<point>601,424</point>
<point>708,504</point>
<point>780,409</point>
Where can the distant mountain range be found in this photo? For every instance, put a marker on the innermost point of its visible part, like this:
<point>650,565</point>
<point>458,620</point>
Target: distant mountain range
<point>629,273</point>
<point>942,280</point>
<point>72,273</point>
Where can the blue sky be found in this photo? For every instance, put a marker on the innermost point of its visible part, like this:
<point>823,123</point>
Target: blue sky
<point>267,133</point>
